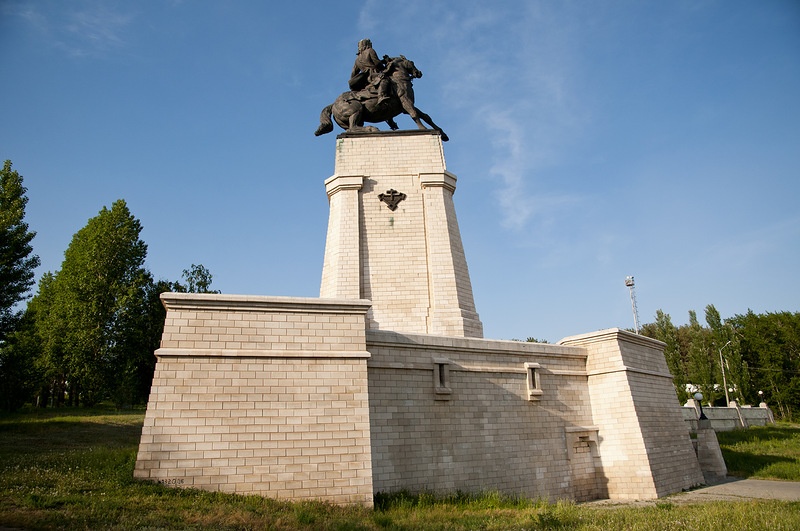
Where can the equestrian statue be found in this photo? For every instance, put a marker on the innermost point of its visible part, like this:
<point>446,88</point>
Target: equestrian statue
<point>380,89</point>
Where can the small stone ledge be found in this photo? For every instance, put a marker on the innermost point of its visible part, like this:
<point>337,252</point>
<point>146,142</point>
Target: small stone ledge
<point>611,333</point>
<point>625,368</point>
<point>467,344</point>
<point>217,301</point>
<point>399,132</point>
<point>240,353</point>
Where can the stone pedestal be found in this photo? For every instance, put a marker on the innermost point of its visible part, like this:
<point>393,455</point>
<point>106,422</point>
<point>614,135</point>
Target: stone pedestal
<point>260,395</point>
<point>393,236</point>
<point>709,454</point>
<point>385,382</point>
<point>644,445</point>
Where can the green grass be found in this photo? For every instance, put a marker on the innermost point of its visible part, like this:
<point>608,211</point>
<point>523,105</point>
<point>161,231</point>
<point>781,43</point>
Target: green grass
<point>73,469</point>
<point>763,452</point>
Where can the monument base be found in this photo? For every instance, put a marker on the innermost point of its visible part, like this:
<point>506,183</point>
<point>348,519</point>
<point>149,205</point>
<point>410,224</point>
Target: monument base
<point>393,236</point>
<point>385,383</point>
<point>261,395</point>
<point>296,399</point>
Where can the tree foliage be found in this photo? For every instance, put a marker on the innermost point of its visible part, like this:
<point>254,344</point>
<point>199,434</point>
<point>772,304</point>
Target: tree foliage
<point>17,264</point>
<point>198,280</point>
<point>758,353</point>
<point>90,331</point>
<point>770,347</point>
<point>17,261</point>
<point>90,310</point>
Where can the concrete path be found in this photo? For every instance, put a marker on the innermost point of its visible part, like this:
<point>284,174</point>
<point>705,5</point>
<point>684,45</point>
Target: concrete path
<point>730,489</point>
<point>736,489</point>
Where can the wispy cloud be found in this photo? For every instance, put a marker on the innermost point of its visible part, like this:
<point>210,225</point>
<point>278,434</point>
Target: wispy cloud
<point>85,29</point>
<point>97,29</point>
<point>527,106</point>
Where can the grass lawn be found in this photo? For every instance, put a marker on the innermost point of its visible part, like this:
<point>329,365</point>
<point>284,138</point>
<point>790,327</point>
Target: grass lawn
<point>763,452</point>
<point>73,469</point>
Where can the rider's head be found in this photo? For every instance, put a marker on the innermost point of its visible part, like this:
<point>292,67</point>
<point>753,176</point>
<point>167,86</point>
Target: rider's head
<point>363,44</point>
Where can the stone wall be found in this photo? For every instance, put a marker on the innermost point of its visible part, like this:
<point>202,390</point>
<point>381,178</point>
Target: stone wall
<point>728,418</point>
<point>260,395</point>
<point>405,256</point>
<point>644,446</point>
<point>474,415</point>
<point>339,397</point>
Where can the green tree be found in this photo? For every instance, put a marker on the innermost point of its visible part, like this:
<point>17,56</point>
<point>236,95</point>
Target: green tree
<point>534,340</point>
<point>198,280</point>
<point>47,333</point>
<point>17,263</point>
<point>770,345</point>
<point>759,353</point>
<point>725,342</point>
<point>663,330</point>
<point>95,304</point>
<point>18,374</point>
<point>701,363</point>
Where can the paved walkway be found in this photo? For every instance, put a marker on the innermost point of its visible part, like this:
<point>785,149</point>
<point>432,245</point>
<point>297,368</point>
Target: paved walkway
<point>736,489</point>
<point>731,489</point>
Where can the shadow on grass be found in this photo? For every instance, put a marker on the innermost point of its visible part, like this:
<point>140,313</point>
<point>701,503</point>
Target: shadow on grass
<point>759,433</point>
<point>747,464</point>
<point>57,430</point>
<point>766,452</point>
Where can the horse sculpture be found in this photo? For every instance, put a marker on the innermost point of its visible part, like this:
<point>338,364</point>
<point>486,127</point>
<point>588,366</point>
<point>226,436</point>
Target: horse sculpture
<point>351,109</point>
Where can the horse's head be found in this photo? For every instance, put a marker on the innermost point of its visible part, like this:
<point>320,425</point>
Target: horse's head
<point>406,66</point>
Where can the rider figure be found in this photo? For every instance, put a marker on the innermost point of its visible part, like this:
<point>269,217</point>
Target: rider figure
<point>367,65</point>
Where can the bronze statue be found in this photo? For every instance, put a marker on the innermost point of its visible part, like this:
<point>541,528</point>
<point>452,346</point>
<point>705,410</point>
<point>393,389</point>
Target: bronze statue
<point>368,71</point>
<point>380,90</point>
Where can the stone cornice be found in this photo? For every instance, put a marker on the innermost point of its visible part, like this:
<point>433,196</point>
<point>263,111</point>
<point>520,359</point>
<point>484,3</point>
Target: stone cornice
<point>467,344</point>
<point>400,132</point>
<point>217,301</point>
<point>612,333</point>
<point>259,353</point>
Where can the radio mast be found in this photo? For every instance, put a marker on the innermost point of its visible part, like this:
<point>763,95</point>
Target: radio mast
<point>629,283</point>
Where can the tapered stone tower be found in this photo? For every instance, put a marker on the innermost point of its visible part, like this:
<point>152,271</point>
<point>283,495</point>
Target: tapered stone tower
<point>393,236</point>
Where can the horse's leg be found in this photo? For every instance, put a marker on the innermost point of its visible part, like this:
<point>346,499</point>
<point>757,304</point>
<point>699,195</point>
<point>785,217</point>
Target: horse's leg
<point>413,112</point>
<point>408,106</point>
<point>392,124</point>
<point>356,123</point>
<point>428,120</point>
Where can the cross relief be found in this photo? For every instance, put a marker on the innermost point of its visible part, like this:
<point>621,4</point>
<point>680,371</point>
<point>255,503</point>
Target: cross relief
<point>392,198</point>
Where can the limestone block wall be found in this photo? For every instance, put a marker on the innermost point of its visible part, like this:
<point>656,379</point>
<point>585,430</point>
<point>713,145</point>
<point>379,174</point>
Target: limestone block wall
<point>260,395</point>
<point>644,446</point>
<point>411,261</point>
<point>341,272</point>
<point>470,414</point>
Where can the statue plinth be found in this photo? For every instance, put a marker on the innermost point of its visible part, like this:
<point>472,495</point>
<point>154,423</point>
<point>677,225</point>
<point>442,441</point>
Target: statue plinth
<point>393,236</point>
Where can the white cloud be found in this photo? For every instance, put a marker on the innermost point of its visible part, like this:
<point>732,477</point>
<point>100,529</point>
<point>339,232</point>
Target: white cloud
<point>97,28</point>
<point>79,29</point>
<point>506,67</point>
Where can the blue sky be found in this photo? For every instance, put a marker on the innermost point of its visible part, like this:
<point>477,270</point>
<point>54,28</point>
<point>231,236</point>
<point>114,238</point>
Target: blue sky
<point>592,140</point>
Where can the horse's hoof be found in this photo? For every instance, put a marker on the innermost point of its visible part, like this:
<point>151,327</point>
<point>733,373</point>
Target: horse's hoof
<point>445,138</point>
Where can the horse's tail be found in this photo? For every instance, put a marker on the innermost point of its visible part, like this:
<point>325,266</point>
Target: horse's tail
<point>325,123</point>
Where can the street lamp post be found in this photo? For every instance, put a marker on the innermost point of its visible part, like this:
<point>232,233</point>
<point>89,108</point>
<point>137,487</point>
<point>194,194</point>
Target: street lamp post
<point>699,397</point>
<point>724,380</point>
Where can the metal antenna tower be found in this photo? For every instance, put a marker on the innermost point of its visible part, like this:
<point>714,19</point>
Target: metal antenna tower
<point>629,283</point>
